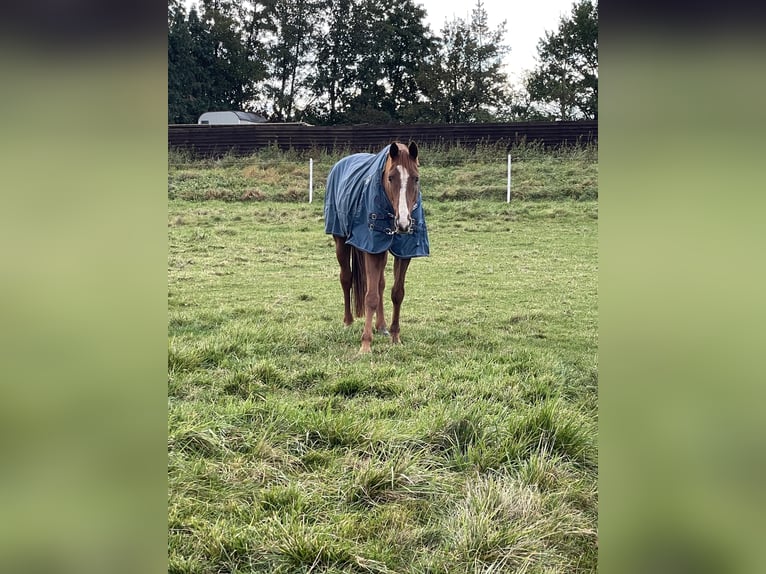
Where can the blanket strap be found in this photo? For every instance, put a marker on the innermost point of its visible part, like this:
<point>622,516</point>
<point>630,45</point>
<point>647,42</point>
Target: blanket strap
<point>381,222</point>
<point>385,223</point>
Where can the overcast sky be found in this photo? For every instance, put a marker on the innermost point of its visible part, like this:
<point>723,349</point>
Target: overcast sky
<point>526,21</point>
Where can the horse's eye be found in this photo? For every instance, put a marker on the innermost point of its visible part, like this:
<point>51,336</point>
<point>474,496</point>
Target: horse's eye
<point>390,178</point>
<point>417,179</point>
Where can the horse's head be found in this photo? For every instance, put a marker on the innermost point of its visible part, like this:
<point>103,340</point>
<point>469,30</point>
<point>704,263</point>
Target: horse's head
<point>400,180</point>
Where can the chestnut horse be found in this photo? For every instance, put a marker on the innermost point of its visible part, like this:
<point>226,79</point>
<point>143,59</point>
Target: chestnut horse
<point>373,206</point>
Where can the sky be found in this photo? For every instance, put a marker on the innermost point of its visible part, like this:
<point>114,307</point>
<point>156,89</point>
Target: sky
<point>526,23</point>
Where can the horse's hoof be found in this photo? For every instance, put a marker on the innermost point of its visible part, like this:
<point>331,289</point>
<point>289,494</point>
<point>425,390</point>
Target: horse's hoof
<point>364,350</point>
<point>395,339</point>
<point>383,332</point>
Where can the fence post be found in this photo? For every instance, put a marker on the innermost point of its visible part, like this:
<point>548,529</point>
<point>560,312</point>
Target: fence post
<point>311,180</point>
<point>508,195</point>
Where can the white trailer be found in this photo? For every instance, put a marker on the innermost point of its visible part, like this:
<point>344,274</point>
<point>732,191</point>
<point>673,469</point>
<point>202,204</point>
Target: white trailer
<point>230,117</point>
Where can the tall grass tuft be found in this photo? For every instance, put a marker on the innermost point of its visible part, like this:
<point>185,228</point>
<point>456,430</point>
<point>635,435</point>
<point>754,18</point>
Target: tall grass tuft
<point>397,479</point>
<point>296,546</point>
<point>550,426</point>
<point>498,523</point>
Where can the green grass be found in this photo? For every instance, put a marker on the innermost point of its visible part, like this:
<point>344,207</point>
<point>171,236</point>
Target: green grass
<point>451,174</point>
<point>472,447</point>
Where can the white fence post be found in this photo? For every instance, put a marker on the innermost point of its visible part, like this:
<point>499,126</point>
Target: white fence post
<point>508,196</point>
<point>311,180</point>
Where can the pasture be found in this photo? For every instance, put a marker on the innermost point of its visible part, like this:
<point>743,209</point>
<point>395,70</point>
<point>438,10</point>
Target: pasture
<point>471,447</point>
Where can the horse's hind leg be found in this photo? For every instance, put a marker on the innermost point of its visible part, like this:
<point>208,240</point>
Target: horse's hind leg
<point>397,295</point>
<point>343,254</point>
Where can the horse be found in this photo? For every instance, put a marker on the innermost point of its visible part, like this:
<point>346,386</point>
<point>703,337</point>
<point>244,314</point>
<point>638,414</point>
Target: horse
<point>373,206</point>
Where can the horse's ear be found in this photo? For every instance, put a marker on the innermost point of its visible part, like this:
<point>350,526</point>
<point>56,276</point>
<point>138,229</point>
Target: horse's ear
<point>413,150</point>
<point>393,151</point>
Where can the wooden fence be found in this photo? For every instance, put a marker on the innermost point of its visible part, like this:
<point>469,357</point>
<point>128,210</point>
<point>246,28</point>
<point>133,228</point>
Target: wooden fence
<point>213,140</point>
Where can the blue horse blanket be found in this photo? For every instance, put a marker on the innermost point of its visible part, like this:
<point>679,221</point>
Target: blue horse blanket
<point>356,207</point>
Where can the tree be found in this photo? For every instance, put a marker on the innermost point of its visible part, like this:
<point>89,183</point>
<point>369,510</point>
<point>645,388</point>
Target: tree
<point>519,108</point>
<point>369,62</point>
<point>565,84</point>
<point>181,66</point>
<point>290,55</point>
<point>489,81</point>
<point>215,60</point>
<point>232,67</point>
<point>396,40</point>
<point>333,61</point>
<point>467,83</point>
<point>335,65</point>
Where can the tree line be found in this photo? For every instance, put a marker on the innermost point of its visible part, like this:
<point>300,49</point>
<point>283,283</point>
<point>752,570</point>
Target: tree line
<point>329,62</point>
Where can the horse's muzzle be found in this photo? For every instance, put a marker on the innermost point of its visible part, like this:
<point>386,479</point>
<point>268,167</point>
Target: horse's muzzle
<point>406,228</point>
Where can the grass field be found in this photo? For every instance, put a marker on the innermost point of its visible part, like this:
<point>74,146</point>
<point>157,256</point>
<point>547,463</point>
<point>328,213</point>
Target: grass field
<point>472,447</point>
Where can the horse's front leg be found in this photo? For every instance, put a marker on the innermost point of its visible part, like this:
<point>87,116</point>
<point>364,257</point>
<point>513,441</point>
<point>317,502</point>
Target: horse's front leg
<point>397,295</point>
<point>375,265</point>
<point>380,315</point>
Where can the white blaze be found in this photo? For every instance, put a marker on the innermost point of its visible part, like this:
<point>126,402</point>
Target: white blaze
<point>404,213</point>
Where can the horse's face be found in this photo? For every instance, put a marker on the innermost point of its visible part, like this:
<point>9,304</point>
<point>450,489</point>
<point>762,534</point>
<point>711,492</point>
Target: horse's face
<point>400,180</point>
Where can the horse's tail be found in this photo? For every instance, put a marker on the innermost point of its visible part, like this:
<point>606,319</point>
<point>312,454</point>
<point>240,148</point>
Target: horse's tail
<point>358,281</point>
